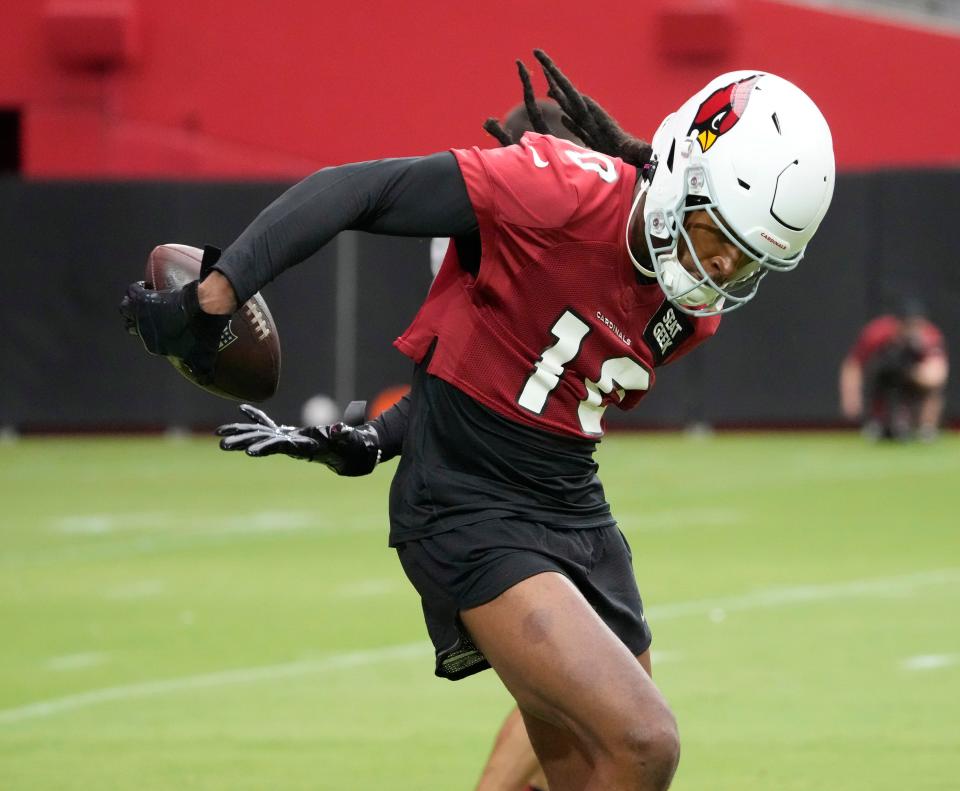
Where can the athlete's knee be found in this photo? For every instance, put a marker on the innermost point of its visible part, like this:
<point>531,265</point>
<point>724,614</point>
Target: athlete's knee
<point>661,751</point>
<point>646,753</point>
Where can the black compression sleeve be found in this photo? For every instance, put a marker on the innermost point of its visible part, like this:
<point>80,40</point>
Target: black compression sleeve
<point>391,426</point>
<point>417,196</point>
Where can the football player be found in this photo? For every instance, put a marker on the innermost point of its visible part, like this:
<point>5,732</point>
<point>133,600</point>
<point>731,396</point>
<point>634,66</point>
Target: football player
<point>902,360</point>
<point>574,274</point>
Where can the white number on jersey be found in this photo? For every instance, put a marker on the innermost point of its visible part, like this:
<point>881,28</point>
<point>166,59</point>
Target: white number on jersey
<point>594,162</point>
<point>570,330</point>
<point>620,373</point>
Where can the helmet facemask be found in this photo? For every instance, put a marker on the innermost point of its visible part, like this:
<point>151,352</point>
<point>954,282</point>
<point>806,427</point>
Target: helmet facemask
<point>697,293</point>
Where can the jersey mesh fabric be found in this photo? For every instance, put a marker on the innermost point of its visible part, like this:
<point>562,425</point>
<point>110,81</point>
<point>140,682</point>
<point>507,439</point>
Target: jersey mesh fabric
<point>552,218</point>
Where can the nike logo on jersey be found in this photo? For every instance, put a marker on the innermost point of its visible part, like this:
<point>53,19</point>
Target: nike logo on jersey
<point>536,159</point>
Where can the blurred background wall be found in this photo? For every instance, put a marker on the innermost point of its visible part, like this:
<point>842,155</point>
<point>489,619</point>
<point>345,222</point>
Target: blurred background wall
<point>128,123</point>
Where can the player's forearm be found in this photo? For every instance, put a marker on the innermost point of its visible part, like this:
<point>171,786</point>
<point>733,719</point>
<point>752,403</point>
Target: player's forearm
<point>216,295</point>
<point>931,372</point>
<point>419,196</point>
<point>851,389</point>
<point>391,426</point>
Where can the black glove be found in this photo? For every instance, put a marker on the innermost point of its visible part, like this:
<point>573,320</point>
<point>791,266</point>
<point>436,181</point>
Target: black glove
<point>347,450</point>
<point>170,322</point>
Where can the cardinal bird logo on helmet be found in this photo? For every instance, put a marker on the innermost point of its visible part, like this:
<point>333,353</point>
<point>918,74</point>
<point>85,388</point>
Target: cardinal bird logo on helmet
<point>721,110</point>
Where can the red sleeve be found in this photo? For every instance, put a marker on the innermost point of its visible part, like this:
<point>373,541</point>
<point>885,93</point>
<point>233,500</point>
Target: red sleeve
<point>877,334</point>
<point>537,183</point>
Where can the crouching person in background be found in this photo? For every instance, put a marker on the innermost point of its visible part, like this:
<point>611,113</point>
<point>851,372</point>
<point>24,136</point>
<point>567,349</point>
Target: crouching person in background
<point>894,377</point>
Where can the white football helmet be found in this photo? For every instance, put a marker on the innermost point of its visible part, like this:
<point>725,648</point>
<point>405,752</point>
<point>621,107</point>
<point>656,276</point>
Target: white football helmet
<point>755,153</point>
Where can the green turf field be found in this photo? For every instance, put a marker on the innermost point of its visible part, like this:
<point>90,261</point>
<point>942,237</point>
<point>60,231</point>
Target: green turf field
<point>176,618</point>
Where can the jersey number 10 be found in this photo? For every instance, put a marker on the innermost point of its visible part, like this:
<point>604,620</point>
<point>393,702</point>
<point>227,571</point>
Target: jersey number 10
<point>616,374</point>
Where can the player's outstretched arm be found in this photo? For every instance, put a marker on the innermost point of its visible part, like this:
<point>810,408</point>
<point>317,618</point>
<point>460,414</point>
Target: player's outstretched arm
<point>350,447</point>
<point>851,389</point>
<point>345,449</point>
<point>417,196</point>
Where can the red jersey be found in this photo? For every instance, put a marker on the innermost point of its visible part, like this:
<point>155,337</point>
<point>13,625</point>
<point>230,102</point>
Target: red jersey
<point>556,325</point>
<point>884,331</point>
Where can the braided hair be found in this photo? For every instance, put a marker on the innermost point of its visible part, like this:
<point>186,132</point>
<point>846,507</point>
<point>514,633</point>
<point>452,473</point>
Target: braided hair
<point>518,121</point>
<point>581,115</point>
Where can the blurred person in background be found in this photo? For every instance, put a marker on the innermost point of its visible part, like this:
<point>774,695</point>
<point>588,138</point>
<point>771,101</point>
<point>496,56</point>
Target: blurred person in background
<point>575,273</point>
<point>899,362</point>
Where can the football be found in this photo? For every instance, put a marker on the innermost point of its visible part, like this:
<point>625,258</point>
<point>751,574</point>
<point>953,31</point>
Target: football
<point>248,361</point>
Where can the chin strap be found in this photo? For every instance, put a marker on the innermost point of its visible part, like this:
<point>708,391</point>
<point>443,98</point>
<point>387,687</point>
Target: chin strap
<point>631,218</point>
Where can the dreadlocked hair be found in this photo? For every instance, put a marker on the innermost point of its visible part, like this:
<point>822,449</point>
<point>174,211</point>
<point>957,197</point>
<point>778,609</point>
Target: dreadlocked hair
<point>584,117</point>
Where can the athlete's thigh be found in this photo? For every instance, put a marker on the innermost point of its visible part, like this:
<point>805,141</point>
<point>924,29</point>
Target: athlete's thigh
<point>562,663</point>
<point>646,662</point>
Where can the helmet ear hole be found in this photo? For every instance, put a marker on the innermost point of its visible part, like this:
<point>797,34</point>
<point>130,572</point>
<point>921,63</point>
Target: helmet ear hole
<point>673,148</point>
<point>692,201</point>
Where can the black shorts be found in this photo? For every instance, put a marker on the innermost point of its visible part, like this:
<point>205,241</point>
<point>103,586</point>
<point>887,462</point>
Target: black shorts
<point>471,565</point>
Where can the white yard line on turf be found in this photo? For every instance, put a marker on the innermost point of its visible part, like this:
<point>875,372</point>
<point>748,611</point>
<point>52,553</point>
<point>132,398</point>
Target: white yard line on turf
<point>111,536</point>
<point>767,598</point>
<point>127,522</point>
<point>715,608</point>
<point>930,661</point>
<point>76,661</point>
<point>673,518</point>
<point>247,675</point>
<point>367,588</point>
